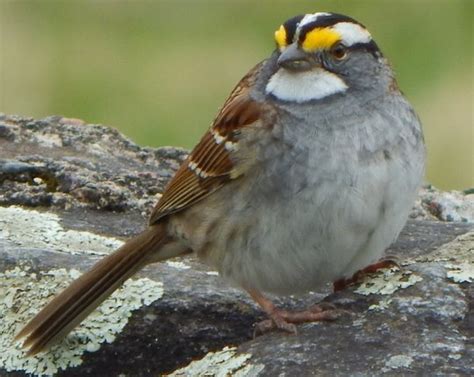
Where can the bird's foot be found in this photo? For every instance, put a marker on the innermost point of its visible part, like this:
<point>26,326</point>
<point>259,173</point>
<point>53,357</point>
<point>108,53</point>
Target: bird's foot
<point>285,320</point>
<point>386,262</point>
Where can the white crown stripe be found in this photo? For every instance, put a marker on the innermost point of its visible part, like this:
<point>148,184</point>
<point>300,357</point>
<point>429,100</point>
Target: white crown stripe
<point>308,18</point>
<point>351,33</point>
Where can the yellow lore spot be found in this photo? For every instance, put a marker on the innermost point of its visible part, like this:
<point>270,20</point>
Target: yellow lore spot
<point>280,37</point>
<point>320,38</point>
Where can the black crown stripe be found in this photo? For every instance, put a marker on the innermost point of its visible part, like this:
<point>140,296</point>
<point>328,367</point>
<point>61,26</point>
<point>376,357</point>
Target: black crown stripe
<point>325,21</point>
<point>290,27</point>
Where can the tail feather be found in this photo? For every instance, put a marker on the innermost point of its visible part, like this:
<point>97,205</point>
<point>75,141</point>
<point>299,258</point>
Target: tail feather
<point>87,292</point>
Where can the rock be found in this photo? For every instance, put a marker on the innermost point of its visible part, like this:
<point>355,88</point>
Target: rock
<point>448,206</point>
<point>71,192</point>
<point>63,164</point>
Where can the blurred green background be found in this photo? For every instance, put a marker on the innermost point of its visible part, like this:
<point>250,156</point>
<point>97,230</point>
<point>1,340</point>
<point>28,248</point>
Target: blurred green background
<point>159,70</point>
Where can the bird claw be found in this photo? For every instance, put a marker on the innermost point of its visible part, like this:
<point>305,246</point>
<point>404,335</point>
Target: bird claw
<point>268,325</point>
<point>285,320</point>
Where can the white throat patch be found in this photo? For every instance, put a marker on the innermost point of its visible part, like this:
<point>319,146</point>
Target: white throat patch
<point>304,86</point>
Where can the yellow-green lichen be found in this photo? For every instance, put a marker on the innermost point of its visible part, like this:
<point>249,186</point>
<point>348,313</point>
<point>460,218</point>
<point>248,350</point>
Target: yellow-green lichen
<point>35,229</point>
<point>221,364</point>
<point>461,273</point>
<point>397,362</point>
<point>458,258</point>
<point>388,281</point>
<point>381,305</point>
<point>23,293</point>
<point>178,265</point>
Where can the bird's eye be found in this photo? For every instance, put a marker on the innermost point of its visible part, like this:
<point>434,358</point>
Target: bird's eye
<point>339,51</point>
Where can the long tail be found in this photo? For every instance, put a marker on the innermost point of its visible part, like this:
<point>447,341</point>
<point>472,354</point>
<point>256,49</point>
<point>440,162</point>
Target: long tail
<point>87,292</point>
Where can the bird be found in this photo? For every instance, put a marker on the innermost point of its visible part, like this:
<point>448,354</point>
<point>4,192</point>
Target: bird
<point>306,175</point>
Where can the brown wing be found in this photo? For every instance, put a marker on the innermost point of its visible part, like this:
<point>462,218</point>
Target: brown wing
<point>210,165</point>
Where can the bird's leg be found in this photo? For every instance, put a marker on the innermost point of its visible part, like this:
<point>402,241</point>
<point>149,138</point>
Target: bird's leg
<point>386,262</point>
<point>285,320</point>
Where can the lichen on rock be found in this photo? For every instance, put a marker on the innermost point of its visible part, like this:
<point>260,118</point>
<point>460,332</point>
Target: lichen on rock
<point>22,292</point>
<point>31,228</point>
<point>91,178</point>
<point>221,363</point>
<point>387,281</point>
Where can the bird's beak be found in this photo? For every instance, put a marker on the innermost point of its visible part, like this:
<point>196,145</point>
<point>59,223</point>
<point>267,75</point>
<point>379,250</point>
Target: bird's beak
<point>294,59</point>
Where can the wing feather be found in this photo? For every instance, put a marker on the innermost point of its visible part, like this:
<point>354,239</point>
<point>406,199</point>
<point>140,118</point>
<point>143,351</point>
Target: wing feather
<point>210,164</point>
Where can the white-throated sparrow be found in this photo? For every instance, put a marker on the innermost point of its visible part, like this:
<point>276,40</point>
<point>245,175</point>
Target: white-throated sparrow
<point>306,176</point>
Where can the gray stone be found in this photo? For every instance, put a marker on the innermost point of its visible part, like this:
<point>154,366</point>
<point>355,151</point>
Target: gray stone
<point>63,163</point>
<point>448,206</point>
<point>71,192</point>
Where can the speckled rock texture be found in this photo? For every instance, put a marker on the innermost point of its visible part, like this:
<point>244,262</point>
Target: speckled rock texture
<point>70,192</point>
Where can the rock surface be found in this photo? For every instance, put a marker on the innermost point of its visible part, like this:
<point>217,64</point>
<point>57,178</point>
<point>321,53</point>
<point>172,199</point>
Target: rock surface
<point>70,192</point>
